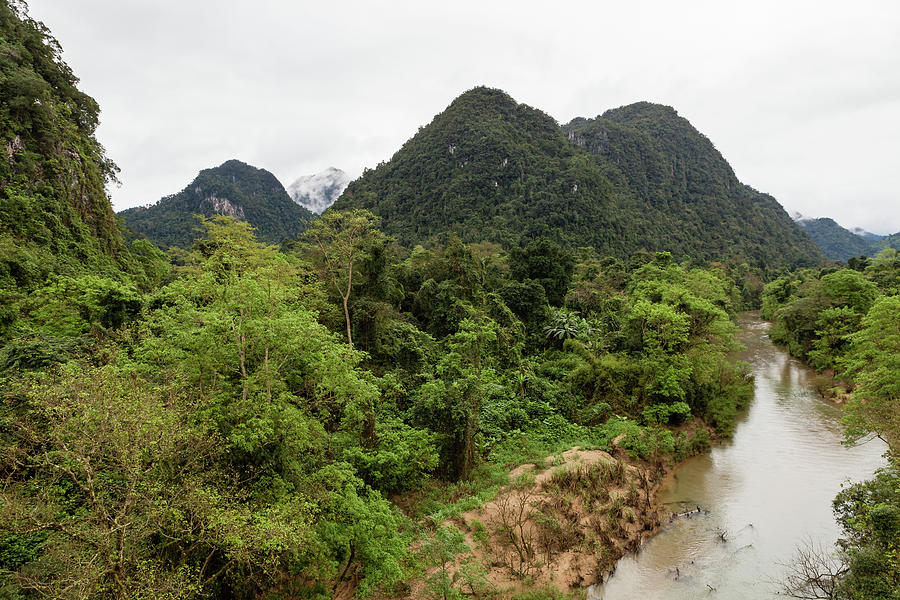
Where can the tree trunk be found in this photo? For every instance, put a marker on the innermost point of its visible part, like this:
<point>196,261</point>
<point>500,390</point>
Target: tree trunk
<point>347,318</point>
<point>468,450</point>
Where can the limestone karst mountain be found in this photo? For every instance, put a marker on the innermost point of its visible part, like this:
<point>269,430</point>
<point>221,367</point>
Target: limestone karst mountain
<point>55,214</point>
<point>636,177</point>
<point>233,189</point>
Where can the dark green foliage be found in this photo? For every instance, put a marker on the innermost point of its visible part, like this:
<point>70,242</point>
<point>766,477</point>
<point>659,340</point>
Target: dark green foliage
<point>17,550</point>
<point>544,262</point>
<point>814,313</point>
<point>451,403</point>
<point>891,241</point>
<point>690,201</point>
<point>233,189</point>
<point>884,270</point>
<point>836,242</point>
<point>637,178</point>
<point>872,361</point>
<point>210,457</point>
<point>527,299</point>
<point>656,349</point>
<point>67,274</point>
<point>402,460</point>
<point>52,163</point>
<point>869,514</point>
<point>486,169</point>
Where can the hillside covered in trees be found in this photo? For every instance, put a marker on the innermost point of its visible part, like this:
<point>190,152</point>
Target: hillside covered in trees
<point>891,241</point>
<point>836,242</point>
<point>636,178</point>
<point>234,189</point>
<point>842,244</point>
<point>238,420</point>
<point>54,213</point>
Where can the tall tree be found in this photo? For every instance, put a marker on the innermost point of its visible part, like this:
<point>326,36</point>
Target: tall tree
<point>340,241</point>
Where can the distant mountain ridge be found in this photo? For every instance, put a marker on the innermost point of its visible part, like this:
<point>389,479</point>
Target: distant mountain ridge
<point>840,243</point>
<point>799,217</point>
<point>637,177</point>
<point>866,234</point>
<point>317,192</point>
<point>890,241</point>
<point>234,189</point>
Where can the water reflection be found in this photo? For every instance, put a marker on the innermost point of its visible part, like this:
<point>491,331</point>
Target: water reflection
<point>761,495</point>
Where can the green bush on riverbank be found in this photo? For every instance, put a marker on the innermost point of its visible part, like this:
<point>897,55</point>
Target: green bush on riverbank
<point>848,321</point>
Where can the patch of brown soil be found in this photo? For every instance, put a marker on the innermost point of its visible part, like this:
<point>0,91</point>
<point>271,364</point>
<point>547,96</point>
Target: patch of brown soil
<point>563,525</point>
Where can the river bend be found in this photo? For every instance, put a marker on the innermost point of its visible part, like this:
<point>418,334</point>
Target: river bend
<point>762,494</point>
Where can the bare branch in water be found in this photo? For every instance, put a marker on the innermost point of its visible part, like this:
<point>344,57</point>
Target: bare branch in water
<point>813,573</point>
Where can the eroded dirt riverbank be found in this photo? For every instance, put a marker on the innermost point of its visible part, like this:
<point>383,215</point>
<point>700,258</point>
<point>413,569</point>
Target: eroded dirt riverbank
<point>562,524</point>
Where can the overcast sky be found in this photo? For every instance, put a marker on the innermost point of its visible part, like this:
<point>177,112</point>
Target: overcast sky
<point>801,97</point>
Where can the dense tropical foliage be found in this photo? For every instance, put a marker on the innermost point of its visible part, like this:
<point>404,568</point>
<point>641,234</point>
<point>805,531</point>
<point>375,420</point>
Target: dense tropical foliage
<point>838,243</point>
<point>54,213</point>
<point>216,436</point>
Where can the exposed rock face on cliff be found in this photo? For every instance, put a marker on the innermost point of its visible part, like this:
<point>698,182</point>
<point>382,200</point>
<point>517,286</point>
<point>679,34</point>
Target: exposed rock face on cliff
<point>55,215</point>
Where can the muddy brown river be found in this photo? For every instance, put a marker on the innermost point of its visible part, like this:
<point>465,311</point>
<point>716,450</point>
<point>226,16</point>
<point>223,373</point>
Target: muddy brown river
<point>762,494</point>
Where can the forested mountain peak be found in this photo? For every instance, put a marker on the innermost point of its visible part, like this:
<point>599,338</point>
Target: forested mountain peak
<point>482,94</point>
<point>840,243</point>
<point>636,177</point>
<point>890,241</point>
<point>484,168</point>
<point>482,104</point>
<point>233,189</point>
<point>643,110</point>
<point>658,133</point>
<point>835,241</point>
<point>866,234</point>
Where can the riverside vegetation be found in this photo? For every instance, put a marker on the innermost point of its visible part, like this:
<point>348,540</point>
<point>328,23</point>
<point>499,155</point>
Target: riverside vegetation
<point>845,322</point>
<point>325,418</point>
